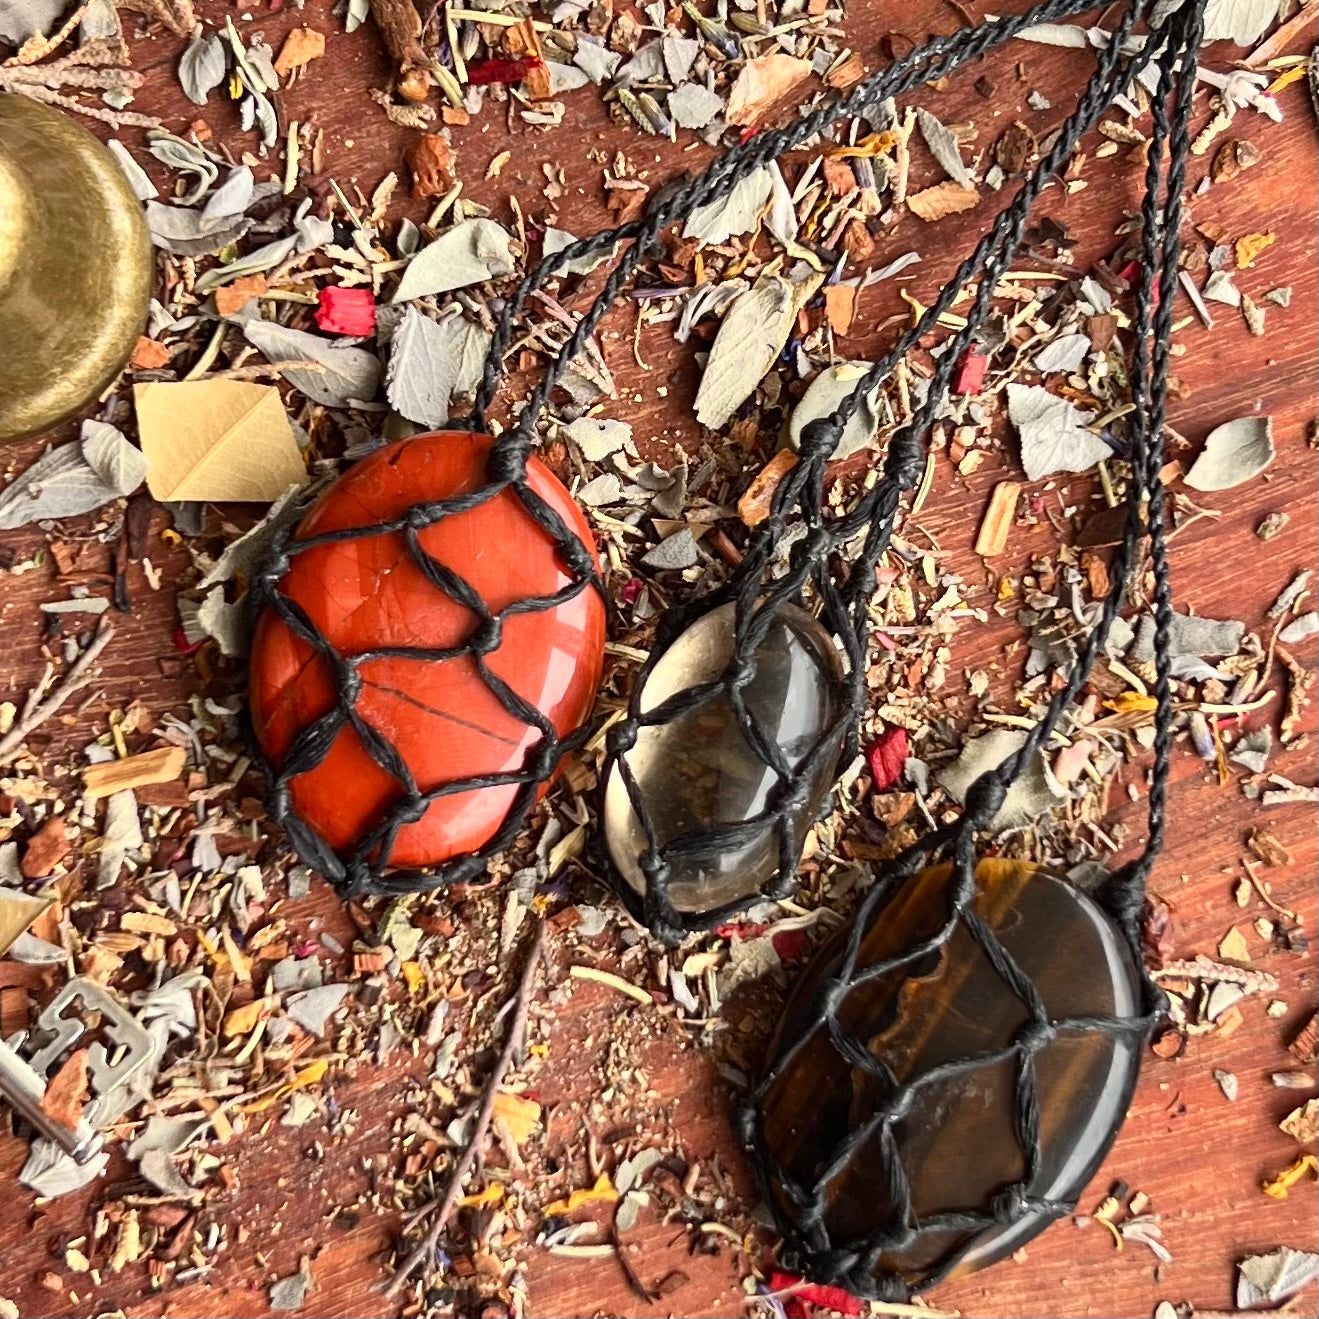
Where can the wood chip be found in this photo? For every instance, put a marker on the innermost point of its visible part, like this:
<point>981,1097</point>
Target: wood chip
<point>613,981</point>
<point>67,1091</point>
<point>45,849</point>
<point>942,199</point>
<point>300,47</point>
<point>840,307</point>
<point>997,522</point>
<point>1303,1047</point>
<point>233,297</point>
<point>753,507</point>
<point>162,765</point>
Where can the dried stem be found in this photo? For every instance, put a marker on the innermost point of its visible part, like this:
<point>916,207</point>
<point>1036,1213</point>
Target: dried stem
<point>444,1205</point>
<point>36,712</point>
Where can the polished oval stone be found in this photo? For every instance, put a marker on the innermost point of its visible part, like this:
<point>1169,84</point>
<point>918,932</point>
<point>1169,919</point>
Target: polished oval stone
<point>368,593</point>
<point>956,1140</point>
<point>699,770</point>
<point>75,267</point>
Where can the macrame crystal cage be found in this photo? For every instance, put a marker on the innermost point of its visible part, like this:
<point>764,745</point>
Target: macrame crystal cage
<point>857,1129</point>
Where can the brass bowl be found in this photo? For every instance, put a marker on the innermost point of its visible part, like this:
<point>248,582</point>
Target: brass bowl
<point>75,267</point>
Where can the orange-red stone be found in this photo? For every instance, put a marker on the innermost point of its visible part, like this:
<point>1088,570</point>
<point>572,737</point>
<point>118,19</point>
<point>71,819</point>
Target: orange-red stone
<point>367,593</point>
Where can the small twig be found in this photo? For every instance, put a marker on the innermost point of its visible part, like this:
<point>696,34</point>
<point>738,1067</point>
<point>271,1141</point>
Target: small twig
<point>444,1205</point>
<point>36,714</point>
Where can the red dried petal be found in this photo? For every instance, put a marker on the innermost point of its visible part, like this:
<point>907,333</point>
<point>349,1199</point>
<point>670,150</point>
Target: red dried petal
<point>827,1298</point>
<point>971,372</point>
<point>788,944</point>
<point>887,755</point>
<point>505,71</point>
<point>346,311</point>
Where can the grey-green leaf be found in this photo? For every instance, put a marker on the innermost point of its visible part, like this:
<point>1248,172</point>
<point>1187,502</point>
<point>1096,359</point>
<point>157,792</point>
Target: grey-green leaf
<point>62,484</point>
<point>119,464</point>
<point>1235,452</point>
<point>202,67</point>
<point>469,253</point>
<point>350,374</point>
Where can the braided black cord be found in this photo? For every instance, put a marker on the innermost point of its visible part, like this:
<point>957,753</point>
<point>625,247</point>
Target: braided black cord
<point>367,865</point>
<point>801,1208</point>
<point>845,608</point>
<point>938,57</point>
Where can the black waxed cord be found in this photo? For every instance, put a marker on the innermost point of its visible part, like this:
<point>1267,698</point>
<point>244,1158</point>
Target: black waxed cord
<point>801,1209</point>
<point>846,608</point>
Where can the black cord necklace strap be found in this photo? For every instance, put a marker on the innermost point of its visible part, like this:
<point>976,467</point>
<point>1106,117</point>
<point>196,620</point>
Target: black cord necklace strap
<point>803,1206</point>
<point>798,499</point>
<point>937,58</point>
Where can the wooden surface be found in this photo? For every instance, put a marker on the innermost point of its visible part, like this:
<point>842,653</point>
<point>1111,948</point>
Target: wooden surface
<point>1198,1156</point>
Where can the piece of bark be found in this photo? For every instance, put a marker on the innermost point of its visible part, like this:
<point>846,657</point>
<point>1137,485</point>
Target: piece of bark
<point>997,522</point>
<point>942,199</point>
<point>399,26</point>
<point>45,849</point>
<point>159,766</point>
<point>67,1091</point>
<point>430,159</point>
<point>753,507</point>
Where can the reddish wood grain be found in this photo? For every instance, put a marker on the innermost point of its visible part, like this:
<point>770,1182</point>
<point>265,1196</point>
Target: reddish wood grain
<point>1200,1157</point>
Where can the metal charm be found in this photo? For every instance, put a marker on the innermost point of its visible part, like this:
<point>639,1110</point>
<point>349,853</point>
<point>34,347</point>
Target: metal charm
<point>81,1009</point>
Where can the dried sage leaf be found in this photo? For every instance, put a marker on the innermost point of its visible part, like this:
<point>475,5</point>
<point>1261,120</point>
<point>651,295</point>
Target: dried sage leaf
<point>694,106</point>
<point>60,484</point>
<point>1053,433</point>
<point>725,217</point>
<point>469,253</point>
<point>1233,453</point>
<point>1241,21</point>
<point>429,362</point>
<point>232,197</point>
<point>1269,1279</point>
<point>824,394</point>
<point>202,67</point>
<point>1066,353</point>
<point>115,460</point>
<point>138,179</point>
<point>1033,794</point>
<point>350,374</point>
<point>944,148</point>
<point>750,338</point>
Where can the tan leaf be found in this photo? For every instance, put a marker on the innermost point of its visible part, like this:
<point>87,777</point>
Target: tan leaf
<point>517,1116</point>
<point>762,81</point>
<point>301,46</point>
<point>942,199</point>
<point>241,1020</point>
<point>221,440</point>
<point>17,911</point>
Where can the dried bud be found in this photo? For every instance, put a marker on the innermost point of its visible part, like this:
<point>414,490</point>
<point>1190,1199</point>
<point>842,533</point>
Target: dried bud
<point>431,161</point>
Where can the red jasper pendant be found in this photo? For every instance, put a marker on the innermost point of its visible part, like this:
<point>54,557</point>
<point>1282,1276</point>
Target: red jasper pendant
<point>369,593</point>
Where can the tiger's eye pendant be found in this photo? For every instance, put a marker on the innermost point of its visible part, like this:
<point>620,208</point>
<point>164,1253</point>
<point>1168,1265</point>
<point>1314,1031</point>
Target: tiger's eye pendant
<point>75,267</point>
<point>699,772</point>
<point>456,633</point>
<point>973,1110</point>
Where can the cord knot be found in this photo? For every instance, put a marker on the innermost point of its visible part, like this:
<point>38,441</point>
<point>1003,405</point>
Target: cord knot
<point>905,464</point>
<point>819,437</point>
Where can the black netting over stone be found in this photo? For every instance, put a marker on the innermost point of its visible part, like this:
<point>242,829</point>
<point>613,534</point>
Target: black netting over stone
<point>868,1130</point>
<point>681,861</point>
<point>849,1183</point>
<point>367,866</point>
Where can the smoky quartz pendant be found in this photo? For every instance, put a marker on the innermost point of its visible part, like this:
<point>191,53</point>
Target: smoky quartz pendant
<point>965,1090</point>
<point>712,778</point>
